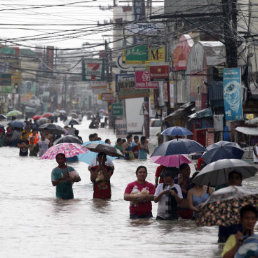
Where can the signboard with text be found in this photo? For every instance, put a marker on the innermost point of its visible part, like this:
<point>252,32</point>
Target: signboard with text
<point>125,87</point>
<point>136,55</point>
<point>117,109</point>
<point>142,81</point>
<point>159,71</point>
<point>92,70</point>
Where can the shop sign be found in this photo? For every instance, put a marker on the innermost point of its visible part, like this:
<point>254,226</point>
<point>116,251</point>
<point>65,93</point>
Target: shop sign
<point>142,81</point>
<point>117,109</point>
<point>107,96</point>
<point>136,55</point>
<point>125,87</point>
<point>157,54</point>
<point>160,71</point>
<point>92,70</point>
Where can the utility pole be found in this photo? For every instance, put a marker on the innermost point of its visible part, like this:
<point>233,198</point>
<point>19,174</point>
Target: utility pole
<point>229,8</point>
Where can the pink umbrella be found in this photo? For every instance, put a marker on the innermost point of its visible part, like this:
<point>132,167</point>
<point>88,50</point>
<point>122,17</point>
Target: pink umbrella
<point>171,160</point>
<point>68,149</point>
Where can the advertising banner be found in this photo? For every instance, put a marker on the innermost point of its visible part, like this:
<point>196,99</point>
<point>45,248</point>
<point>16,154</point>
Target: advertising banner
<point>157,54</point>
<point>159,71</point>
<point>92,70</point>
<point>181,52</point>
<point>98,85</point>
<point>171,94</point>
<point>142,81</point>
<point>136,55</point>
<point>232,94</point>
<point>107,96</point>
<point>125,87</point>
<point>139,9</point>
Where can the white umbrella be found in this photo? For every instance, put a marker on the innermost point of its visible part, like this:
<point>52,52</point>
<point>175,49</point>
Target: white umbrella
<point>216,173</point>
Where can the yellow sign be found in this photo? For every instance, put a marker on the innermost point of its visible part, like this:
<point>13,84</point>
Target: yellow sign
<point>100,96</point>
<point>157,54</point>
<point>249,116</point>
<point>16,78</point>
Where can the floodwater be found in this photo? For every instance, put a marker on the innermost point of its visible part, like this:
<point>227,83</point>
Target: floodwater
<point>35,224</point>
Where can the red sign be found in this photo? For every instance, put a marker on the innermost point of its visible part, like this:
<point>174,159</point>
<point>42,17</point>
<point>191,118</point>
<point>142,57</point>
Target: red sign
<point>142,81</point>
<point>159,72</point>
<point>181,52</point>
<point>106,96</point>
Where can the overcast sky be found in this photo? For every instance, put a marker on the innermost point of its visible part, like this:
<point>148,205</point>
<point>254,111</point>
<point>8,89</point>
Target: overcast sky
<point>34,22</point>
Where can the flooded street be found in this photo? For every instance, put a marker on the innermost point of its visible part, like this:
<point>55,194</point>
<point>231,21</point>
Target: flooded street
<point>35,224</point>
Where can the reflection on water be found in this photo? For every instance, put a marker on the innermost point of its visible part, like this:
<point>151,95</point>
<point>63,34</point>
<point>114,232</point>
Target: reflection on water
<point>36,224</point>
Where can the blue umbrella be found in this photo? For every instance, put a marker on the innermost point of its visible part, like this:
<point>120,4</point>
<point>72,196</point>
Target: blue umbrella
<point>16,124</point>
<point>222,150</point>
<point>178,146</point>
<point>177,131</point>
<point>90,155</point>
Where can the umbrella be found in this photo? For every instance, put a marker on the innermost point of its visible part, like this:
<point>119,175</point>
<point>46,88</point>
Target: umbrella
<point>74,115</point>
<point>222,150</point>
<point>171,160</point>
<point>216,173</point>
<point>87,157</point>
<point>2,117</point>
<point>177,131</point>
<point>47,115</point>
<point>14,113</point>
<point>71,122</point>
<point>16,124</point>
<point>249,248</point>
<point>52,128</point>
<point>222,208</point>
<point>68,139</point>
<point>106,148</point>
<point>62,111</point>
<point>36,117</point>
<point>178,146</point>
<point>68,149</point>
<point>42,121</point>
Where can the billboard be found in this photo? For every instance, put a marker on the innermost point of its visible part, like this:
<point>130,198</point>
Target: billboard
<point>159,71</point>
<point>157,54</point>
<point>232,94</point>
<point>92,69</point>
<point>125,87</point>
<point>136,55</point>
<point>50,58</point>
<point>98,85</point>
<point>142,81</point>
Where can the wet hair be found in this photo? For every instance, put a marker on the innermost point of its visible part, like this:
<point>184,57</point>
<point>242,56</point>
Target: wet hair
<point>143,138</point>
<point>183,166</point>
<point>107,140</point>
<point>60,154</point>
<point>170,172</point>
<point>118,140</point>
<point>136,137</point>
<point>128,136</point>
<point>91,137</point>
<point>248,208</point>
<point>235,172</point>
<point>102,154</point>
<point>140,168</point>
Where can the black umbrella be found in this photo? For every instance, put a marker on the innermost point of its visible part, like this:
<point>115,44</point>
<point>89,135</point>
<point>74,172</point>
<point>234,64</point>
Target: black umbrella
<point>68,139</point>
<point>71,122</point>
<point>16,124</point>
<point>222,150</point>
<point>106,148</point>
<point>178,146</point>
<point>52,128</point>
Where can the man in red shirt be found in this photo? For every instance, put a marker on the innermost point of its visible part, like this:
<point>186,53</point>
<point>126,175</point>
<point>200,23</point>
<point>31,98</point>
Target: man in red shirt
<point>140,193</point>
<point>100,177</point>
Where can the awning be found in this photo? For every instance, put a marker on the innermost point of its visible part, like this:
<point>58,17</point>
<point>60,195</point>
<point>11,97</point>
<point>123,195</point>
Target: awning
<point>181,110</point>
<point>248,130</point>
<point>201,114</point>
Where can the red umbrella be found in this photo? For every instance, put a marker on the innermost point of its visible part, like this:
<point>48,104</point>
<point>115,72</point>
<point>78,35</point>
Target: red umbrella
<point>36,117</point>
<point>47,115</point>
